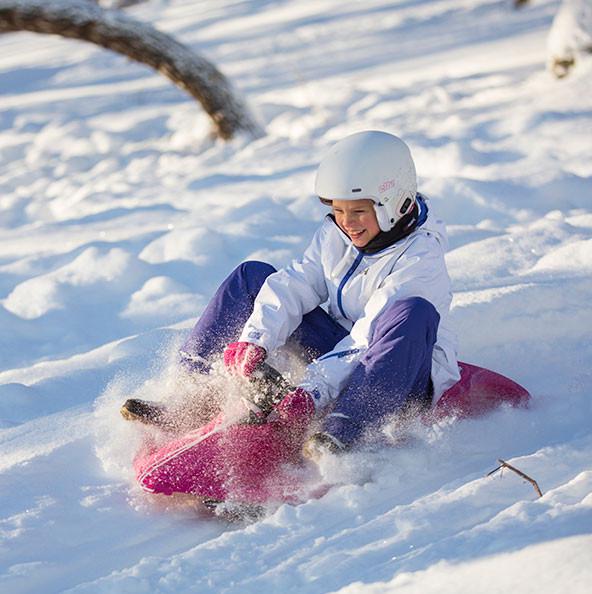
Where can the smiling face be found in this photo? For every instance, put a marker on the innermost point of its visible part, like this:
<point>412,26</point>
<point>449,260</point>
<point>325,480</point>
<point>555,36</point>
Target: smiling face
<point>357,219</point>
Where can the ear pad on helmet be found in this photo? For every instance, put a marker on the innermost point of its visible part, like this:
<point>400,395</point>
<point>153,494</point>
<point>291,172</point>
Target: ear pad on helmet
<point>382,216</point>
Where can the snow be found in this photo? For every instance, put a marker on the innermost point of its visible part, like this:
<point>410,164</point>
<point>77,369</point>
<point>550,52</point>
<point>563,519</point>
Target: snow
<point>571,31</point>
<point>518,571</point>
<point>119,217</point>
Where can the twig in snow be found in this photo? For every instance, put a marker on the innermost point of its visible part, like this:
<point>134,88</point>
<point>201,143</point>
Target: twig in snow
<point>504,464</point>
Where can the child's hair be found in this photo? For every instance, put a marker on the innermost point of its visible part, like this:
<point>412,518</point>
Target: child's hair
<point>326,202</point>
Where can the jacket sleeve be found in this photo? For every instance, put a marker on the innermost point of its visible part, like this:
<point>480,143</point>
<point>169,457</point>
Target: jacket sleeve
<point>285,297</point>
<point>419,272</point>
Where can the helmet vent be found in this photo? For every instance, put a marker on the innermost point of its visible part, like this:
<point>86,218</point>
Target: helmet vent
<point>405,206</point>
<point>354,190</point>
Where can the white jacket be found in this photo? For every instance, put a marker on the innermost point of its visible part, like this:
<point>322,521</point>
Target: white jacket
<point>356,288</point>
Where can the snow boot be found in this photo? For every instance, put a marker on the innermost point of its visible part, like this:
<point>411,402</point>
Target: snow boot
<point>319,444</point>
<point>150,413</point>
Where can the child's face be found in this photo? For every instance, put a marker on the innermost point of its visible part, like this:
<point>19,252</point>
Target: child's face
<point>357,219</point>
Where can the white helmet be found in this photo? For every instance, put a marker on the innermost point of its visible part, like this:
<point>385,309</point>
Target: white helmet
<point>373,165</point>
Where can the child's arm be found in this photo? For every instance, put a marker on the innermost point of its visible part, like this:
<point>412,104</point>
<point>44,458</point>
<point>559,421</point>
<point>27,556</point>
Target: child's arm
<point>285,297</point>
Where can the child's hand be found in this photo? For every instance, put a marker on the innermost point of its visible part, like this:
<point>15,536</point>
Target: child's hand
<point>297,407</point>
<point>243,358</point>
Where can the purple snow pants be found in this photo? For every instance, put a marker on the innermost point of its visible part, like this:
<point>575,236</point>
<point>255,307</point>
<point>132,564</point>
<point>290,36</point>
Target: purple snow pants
<point>394,371</point>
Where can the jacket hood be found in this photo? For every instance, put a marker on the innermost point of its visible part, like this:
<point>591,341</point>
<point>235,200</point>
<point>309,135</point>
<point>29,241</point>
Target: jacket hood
<point>436,227</point>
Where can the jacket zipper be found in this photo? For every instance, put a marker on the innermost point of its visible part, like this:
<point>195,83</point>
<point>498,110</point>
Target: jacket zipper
<point>344,280</point>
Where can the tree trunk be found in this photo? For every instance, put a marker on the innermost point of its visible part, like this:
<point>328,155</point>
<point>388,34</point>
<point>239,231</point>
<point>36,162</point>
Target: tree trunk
<point>116,31</point>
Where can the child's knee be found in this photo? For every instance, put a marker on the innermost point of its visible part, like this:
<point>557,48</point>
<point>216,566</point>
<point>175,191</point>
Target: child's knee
<point>255,268</point>
<point>407,317</point>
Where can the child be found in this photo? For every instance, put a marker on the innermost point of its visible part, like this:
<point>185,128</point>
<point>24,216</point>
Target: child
<point>377,264</point>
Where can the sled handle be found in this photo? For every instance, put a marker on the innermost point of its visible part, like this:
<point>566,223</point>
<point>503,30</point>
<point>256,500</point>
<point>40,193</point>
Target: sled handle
<point>271,374</point>
<point>269,387</point>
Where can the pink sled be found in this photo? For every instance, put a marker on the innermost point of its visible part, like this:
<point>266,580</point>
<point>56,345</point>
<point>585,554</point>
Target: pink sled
<point>256,464</point>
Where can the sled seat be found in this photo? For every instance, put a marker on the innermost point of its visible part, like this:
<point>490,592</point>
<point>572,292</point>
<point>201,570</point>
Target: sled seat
<point>479,391</point>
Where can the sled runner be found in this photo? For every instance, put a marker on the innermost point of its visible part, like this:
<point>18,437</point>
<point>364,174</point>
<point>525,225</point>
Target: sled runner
<point>254,463</point>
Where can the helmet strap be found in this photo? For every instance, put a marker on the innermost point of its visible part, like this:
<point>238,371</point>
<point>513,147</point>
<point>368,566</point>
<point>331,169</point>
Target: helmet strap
<point>403,227</point>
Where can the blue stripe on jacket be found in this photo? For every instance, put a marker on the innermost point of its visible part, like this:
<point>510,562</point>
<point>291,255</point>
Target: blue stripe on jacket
<point>422,216</point>
<point>344,280</point>
<point>339,354</point>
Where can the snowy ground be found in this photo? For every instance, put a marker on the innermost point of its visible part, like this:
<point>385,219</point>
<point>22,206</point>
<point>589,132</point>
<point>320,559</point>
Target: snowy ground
<point>118,219</point>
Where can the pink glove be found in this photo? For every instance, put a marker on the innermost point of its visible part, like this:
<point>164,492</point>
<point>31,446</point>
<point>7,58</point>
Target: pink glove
<point>243,358</point>
<point>297,408</point>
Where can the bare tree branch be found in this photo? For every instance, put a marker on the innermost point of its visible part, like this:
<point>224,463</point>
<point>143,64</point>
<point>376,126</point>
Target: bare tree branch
<point>117,3</point>
<point>116,31</point>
